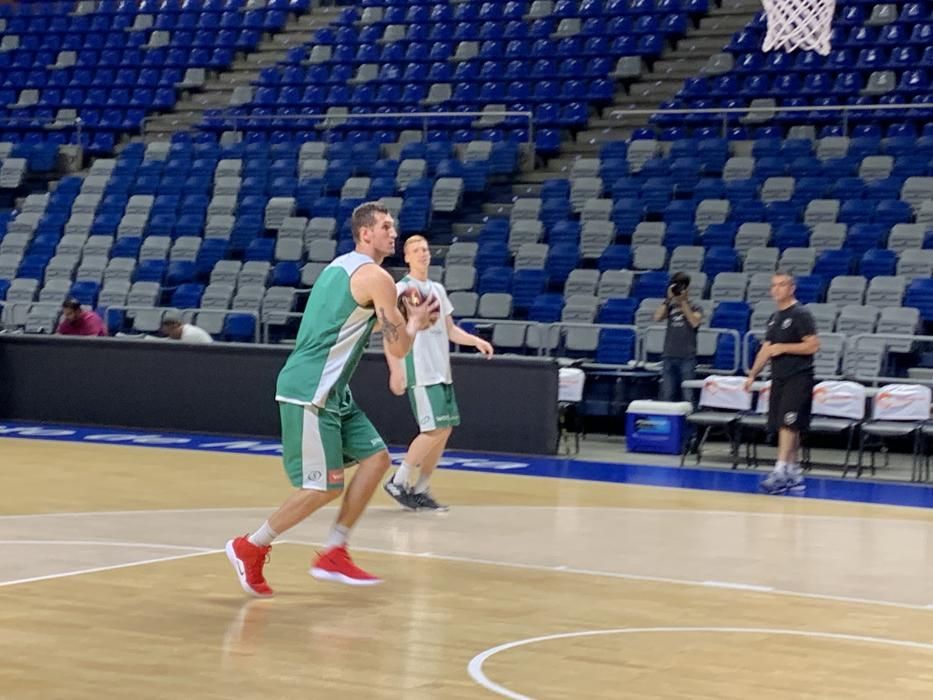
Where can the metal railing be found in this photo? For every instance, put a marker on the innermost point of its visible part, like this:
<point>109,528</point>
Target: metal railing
<point>846,112</point>
<point>703,329</point>
<point>239,122</point>
<point>894,337</point>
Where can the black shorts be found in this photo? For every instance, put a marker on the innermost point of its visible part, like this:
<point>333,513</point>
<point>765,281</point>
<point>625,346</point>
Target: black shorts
<point>791,402</point>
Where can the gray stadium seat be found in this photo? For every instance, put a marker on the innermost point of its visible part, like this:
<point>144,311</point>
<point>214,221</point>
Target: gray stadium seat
<point>798,261</point>
<point>886,291</point>
<point>614,284</point>
<point>461,253</point>
<point>459,278</point>
<point>649,257</point>
<point>828,236</point>
<point>856,318</point>
<point>759,287</point>
<point>898,320</point>
<point>824,315</point>
<point>465,304</point>
<point>495,305</point>
<point>531,256</point>
<point>729,286</point>
<point>581,282</point>
<point>846,289</point>
<point>525,208</point>
<point>524,231</point>
<point>649,233</point>
<point>580,308</point>
<point>906,236</point>
<point>760,259</point>
<point>595,237</point>
<point>752,234</point>
<point>820,211</point>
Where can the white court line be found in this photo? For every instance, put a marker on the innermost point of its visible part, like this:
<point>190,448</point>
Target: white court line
<point>111,543</point>
<point>621,509</point>
<point>475,667</point>
<point>78,572</point>
<point>519,565</point>
<point>628,577</point>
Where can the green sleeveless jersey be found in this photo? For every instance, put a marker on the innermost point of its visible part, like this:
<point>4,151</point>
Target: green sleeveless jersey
<point>333,334</point>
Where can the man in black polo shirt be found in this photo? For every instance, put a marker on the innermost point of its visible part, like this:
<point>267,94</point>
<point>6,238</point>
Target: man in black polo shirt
<point>790,344</point>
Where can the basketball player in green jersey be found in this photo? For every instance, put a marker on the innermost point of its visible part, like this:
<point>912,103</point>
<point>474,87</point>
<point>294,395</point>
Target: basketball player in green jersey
<point>425,373</point>
<point>323,430</point>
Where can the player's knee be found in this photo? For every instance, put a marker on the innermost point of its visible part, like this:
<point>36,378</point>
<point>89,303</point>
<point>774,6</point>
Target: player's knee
<point>378,462</point>
<point>438,433</point>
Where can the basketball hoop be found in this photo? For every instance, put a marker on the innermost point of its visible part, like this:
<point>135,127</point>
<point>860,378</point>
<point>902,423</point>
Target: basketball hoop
<point>799,24</point>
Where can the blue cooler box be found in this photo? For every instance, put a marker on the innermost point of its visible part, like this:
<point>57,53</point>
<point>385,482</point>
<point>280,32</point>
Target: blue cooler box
<point>656,426</point>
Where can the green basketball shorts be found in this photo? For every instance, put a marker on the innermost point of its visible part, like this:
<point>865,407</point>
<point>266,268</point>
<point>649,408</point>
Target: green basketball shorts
<point>317,444</point>
<point>434,406</point>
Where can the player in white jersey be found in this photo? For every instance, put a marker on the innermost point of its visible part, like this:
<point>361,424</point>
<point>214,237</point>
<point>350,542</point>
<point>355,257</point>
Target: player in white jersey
<point>425,373</point>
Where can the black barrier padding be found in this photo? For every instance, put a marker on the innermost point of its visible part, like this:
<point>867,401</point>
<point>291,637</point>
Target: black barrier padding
<point>506,404</point>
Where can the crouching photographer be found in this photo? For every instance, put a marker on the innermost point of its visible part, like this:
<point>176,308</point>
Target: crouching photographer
<point>679,359</point>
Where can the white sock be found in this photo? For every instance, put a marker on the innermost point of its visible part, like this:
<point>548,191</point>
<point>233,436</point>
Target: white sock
<point>403,474</point>
<point>337,537</point>
<point>422,484</point>
<point>794,470</point>
<point>780,468</point>
<point>263,536</point>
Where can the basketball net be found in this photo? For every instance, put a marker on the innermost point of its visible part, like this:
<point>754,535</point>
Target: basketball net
<point>799,24</point>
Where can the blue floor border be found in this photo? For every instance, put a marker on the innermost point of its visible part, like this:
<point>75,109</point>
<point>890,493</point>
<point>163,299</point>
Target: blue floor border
<point>825,488</point>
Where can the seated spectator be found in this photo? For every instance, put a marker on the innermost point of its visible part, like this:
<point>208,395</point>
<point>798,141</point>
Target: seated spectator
<point>78,321</point>
<point>176,329</point>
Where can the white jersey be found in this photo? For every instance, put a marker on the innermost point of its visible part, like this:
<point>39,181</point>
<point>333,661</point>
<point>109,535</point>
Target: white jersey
<point>193,334</point>
<point>429,360</point>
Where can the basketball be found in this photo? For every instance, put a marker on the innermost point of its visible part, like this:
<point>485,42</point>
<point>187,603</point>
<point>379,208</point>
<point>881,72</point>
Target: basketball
<point>413,297</point>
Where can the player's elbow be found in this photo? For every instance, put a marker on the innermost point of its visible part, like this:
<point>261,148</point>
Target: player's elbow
<point>398,351</point>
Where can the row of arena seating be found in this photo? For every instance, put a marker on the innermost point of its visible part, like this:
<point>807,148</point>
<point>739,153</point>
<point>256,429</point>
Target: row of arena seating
<point>109,64</point>
<point>880,54</point>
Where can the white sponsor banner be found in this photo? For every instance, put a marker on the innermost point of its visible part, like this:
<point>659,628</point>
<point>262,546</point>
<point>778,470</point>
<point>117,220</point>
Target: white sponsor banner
<point>902,402</point>
<point>725,392</point>
<point>839,400</point>
<point>571,381</point>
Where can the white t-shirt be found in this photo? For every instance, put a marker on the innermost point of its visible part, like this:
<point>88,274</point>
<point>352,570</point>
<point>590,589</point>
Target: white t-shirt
<point>193,334</point>
<point>429,360</point>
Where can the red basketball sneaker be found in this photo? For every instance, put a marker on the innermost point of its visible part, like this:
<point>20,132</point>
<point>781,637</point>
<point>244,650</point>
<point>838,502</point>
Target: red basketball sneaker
<point>247,560</point>
<point>336,565</point>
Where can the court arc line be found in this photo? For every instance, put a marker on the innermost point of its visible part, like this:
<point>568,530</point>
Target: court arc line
<point>475,666</point>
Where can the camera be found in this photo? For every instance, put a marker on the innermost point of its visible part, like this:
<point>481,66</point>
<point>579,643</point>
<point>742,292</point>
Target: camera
<point>680,281</point>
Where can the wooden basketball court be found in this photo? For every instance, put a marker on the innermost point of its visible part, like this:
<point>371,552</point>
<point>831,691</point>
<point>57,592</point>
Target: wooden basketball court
<point>114,585</point>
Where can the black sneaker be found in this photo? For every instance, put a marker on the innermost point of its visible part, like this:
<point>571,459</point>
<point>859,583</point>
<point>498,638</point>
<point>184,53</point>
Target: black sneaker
<point>424,501</point>
<point>402,495</point>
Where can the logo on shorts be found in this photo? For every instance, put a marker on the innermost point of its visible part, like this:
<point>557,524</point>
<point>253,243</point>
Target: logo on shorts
<point>375,441</point>
<point>790,418</point>
<point>785,324</point>
<point>314,476</point>
<point>335,477</point>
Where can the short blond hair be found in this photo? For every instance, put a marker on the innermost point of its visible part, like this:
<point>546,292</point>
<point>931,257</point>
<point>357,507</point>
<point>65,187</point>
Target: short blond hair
<point>413,239</point>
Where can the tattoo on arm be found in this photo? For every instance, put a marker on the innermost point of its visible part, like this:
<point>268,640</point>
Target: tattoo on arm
<point>389,329</point>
